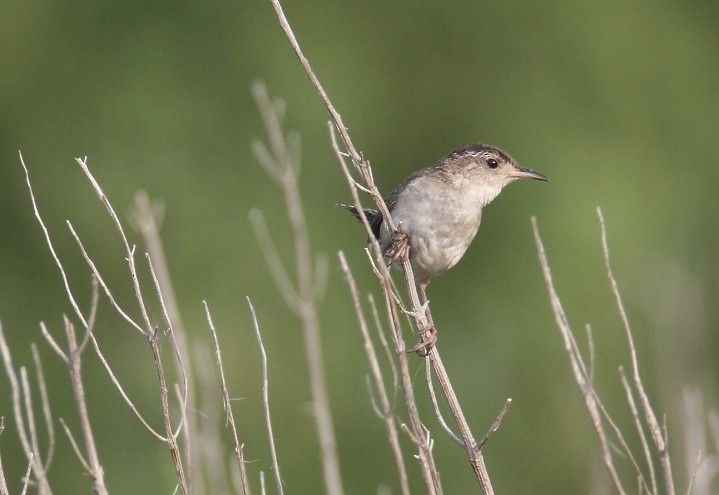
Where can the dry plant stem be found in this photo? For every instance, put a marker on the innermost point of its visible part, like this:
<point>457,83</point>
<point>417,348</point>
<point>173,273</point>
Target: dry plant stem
<point>27,476</point>
<point>437,410</point>
<point>416,430</point>
<point>283,165</point>
<point>266,399</point>
<point>655,429</point>
<point>640,430</point>
<point>147,219</point>
<point>578,368</point>
<point>475,457</point>
<point>35,464</point>
<point>74,364</point>
<point>239,450</point>
<point>45,402</point>
<point>474,454</point>
<point>75,445</point>
<point>386,410</point>
<point>148,330</point>
<point>3,484</point>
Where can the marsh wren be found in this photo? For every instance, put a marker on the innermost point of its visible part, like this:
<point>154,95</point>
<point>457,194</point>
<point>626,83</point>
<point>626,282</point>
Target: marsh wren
<point>437,212</point>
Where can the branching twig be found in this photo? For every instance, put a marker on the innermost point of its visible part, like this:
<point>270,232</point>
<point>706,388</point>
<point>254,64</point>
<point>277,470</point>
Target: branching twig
<point>578,369</point>
<point>386,411</point>
<point>422,318</point>
<point>283,166</point>
<point>655,429</point>
<point>35,464</point>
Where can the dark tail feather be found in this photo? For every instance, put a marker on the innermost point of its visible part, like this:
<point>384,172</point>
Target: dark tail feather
<point>373,217</point>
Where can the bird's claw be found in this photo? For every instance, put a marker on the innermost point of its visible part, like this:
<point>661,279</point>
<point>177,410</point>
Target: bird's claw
<point>399,249</point>
<point>426,342</point>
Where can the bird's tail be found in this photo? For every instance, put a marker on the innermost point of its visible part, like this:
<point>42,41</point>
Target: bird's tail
<point>374,217</point>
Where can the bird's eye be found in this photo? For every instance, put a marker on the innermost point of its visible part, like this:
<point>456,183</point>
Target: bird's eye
<point>492,163</point>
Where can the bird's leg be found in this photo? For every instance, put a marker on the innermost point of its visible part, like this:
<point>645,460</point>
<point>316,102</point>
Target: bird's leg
<point>399,249</point>
<point>429,336</point>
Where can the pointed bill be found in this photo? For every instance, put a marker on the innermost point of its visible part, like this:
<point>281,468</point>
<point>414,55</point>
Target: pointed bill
<point>527,173</point>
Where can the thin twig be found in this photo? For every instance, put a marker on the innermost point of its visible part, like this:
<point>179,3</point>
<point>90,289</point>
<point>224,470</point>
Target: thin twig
<point>415,430</point>
<point>385,345</point>
<point>50,246</point>
<point>179,361</point>
<point>640,431</point>
<point>655,430</point>
<point>578,369</point>
<point>3,484</point>
<point>75,446</point>
<point>266,399</point>
<point>26,483</point>
<point>148,329</point>
<point>693,472</point>
<point>386,411</point>
<point>101,281</point>
<point>284,156</point>
<point>45,403</point>
<point>421,317</point>
<point>437,411</point>
<point>74,353</point>
<point>239,451</point>
<point>497,423</point>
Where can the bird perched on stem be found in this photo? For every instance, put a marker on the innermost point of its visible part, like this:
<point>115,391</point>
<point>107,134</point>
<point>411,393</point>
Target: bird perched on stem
<point>437,211</point>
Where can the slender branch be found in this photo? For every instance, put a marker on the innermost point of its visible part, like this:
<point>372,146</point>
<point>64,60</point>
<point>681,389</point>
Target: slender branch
<point>640,431</point>
<point>27,475</point>
<point>75,446</point>
<point>3,484</point>
<point>284,163</point>
<point>496,424</point>
<point>74,353</point>
<point>34,462</point>
<point>239,450</point>
<point>148,330</point>
<point>655,429</point>
<point>146,218</point>
<point>266,400</point>
<point>416,431</point>
<point>578,369</point>
<point>421,317</point>
<point>45,403</point>
<point>386,410</point>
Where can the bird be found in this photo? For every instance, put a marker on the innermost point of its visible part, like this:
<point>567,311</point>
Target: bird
<point>437,212</point>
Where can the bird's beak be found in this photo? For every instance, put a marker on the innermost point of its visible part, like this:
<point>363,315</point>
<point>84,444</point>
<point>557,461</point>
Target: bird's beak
<point>526,173</point>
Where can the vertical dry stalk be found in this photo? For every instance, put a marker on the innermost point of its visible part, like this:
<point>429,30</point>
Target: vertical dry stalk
<point>239,448</point>
<point>420,314</point>
<point>579,369</point>
<point>73,360</point>
<point>266,400</point>
<point>146,217</point>
<point>26,432</point>
<point>646,418</point>
<point>282,165</point>
<point>650,417</point>
<point>3,483</point>
<point>418,434</point>
<point>386,412</point>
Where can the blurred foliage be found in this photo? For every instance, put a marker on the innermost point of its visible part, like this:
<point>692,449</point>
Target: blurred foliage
<point>616,102</point>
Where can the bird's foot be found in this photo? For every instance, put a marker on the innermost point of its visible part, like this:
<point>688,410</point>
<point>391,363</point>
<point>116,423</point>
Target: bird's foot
<point>399,249</point>
<point>426,342</point>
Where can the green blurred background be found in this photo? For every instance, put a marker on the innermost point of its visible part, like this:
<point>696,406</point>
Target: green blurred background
<point>617,102</point>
